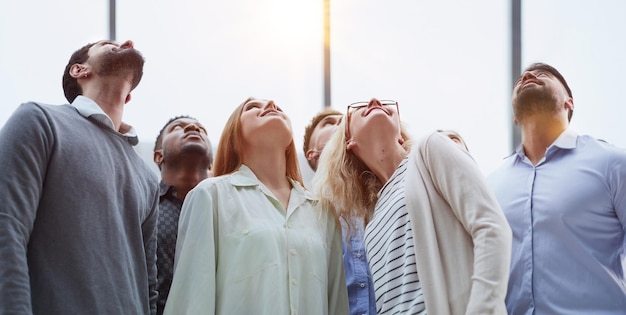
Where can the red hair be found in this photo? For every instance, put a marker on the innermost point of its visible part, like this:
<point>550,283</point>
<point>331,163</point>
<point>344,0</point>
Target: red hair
<point>228,157</point>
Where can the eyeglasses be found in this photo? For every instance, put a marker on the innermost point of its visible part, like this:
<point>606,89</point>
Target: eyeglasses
<point>355,107</point>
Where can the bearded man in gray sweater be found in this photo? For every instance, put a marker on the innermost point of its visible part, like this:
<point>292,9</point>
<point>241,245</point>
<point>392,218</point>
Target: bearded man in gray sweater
<point>78,206</point>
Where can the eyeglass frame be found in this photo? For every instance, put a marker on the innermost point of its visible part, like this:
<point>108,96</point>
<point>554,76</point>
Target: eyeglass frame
<point>362,104</point>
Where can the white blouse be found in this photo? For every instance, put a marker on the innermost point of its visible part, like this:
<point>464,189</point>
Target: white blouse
<point>240,252</point>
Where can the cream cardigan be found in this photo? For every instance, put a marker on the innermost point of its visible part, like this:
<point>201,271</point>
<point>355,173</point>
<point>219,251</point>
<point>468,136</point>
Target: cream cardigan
<point>462,239</point>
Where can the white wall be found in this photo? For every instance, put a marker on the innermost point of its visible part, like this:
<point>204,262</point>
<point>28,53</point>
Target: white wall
<point>446,62</point>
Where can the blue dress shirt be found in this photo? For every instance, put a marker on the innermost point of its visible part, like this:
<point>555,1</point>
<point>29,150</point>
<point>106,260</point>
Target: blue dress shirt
<point>568,216</point>
<point>358,277</point>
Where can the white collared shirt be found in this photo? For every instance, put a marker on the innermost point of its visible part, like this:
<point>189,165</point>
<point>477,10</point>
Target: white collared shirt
<point>240,252</point>
<point>88,108</point>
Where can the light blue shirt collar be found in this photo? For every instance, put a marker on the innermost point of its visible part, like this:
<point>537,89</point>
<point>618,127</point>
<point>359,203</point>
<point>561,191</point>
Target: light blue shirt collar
<point>88,108</point>
<point>566,140</point>
<point>567,217</point>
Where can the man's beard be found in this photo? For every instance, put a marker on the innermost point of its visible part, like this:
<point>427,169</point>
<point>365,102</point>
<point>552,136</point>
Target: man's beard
<point>186,150</point>
<point>534,101</point>
<point>194,149</point>
<point>124,62</point>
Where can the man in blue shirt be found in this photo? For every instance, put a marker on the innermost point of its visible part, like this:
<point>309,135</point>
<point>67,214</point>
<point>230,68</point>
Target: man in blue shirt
<point>564,196</point>
<point>358,276</point>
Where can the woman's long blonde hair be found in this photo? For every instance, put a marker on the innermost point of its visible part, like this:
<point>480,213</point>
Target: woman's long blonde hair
<point>343,182</point>
<point>228,157</point>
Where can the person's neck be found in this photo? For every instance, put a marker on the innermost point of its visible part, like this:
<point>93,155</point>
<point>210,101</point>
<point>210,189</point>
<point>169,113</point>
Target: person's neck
<point>538,133</point>
<point>184,176</point>
<point>269,164</point>
<point>383,158</point>
<point>111,97</point>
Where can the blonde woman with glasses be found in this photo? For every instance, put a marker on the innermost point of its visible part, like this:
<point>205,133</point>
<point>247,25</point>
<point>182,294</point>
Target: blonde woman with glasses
<point>436,239</point>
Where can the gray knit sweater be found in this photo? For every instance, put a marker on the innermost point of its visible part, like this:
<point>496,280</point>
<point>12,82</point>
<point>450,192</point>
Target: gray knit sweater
<point>78,211</point>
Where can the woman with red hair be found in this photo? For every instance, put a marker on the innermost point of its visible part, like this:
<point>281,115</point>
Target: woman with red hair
<point>252,240</point>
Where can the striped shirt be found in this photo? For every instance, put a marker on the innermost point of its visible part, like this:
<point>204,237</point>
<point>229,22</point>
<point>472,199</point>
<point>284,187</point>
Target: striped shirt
<point>391,253</point>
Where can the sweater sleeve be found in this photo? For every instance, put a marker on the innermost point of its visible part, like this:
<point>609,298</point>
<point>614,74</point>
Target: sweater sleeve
<point>460,182</point>
<point>26,140</point>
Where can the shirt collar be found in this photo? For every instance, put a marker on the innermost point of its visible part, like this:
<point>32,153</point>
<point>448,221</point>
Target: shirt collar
<point>165,189</point>
<point>168,192</point>
<point>566,140</point>
<point>245,177</point>
<point>301,191</point>
<point>88,108</point>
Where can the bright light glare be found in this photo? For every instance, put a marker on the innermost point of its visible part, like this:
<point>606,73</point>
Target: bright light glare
<point>293,23</point>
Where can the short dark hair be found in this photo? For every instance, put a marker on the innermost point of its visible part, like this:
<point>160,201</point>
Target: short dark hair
<point>71,88</point>
<point>557,75</point>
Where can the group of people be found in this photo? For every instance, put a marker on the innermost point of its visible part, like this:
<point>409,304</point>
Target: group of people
<point>392,224</point>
